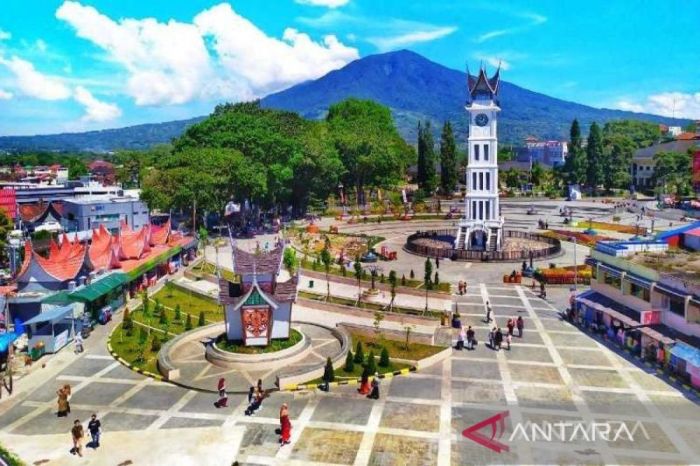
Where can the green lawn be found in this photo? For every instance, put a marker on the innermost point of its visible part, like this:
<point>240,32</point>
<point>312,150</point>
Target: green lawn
<point>275,345</point>
<point>127,347</point>
<point>368,305</point>
<point>190,302</point>
<point>397,349</point>
<point>356,373</point>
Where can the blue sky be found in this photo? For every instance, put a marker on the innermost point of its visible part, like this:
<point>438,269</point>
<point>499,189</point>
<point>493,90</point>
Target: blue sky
<point>80,65</point>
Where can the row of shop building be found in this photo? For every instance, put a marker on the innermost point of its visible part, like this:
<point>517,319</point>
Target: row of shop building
<point>77,280</point>
<point>641,306</point>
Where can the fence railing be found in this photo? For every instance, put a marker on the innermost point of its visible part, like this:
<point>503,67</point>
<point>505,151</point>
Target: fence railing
<point>554,247</point>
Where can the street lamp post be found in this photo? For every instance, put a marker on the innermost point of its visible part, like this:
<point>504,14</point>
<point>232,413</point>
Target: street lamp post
<point>575,266</point>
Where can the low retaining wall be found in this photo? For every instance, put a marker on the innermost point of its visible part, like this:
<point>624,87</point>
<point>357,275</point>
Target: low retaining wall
<point>554,248</point>
<point>247,362</point>
<point>165,366</point>
<point>305,273</point>
<point>368,313</point>
<point>389,334</point>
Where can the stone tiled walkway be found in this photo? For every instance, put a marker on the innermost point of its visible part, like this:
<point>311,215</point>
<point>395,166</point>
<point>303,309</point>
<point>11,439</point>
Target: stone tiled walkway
<point>554,374</point>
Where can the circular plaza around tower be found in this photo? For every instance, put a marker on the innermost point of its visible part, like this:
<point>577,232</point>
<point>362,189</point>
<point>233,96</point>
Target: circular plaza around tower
<point>517,246</point>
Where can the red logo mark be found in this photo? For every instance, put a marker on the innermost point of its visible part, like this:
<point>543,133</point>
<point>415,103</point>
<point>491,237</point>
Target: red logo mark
<point>498,427</point>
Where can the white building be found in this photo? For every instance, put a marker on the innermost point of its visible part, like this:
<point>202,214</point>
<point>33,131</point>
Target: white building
<point>482,225</point>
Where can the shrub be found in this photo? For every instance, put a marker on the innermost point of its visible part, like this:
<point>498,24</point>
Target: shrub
<point>384,358</point>
<point>403,279</point>
<point>437,279</point>
<point>201,321</point>
<point>188,322</point>
<point>155,344</point>
<point>359,354</point>
<point>349,363</point>
<point>371,363</point>
<point>382,279</point>
<point>412,275</point>
<point>143,335</point>
<point>163,319</point>
<point>343,270</point>
<point>178,313</point>
<point>329,372</point>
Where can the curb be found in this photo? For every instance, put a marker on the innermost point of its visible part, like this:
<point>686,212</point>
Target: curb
<point>388,375</point>
<point>128,364</point>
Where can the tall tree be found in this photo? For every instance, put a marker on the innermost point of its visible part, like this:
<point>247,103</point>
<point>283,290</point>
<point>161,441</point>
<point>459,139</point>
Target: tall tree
<point>448,160</point>
<point>427,179</point>
<point>575,163</point>
<point>618,157</point>
<point>594,158</point>
<point>427,280</point>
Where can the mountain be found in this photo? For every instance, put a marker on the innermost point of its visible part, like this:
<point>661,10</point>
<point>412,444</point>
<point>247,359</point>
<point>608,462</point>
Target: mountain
<point>414,87</point>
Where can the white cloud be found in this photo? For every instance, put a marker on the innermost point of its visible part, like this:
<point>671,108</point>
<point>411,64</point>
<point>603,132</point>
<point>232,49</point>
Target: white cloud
<point>410,38</point>
<point>326,3</point>
<point>32,83</point>
<point>4,35</point>
<point>40,45</point>
<point>670,104</point>
<point>171,63</point>
<point>95,110</point>
<point>533,19</point>
<point>4,95</point>
<point>268,64</point>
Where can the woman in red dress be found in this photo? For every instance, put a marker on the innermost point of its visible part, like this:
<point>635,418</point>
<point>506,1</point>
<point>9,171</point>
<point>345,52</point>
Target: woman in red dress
<point>365,387</point>
<point>285,425</point>
<point>223,397</point>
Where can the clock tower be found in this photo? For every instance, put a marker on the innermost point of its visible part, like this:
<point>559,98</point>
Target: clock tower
<point>481,228</point>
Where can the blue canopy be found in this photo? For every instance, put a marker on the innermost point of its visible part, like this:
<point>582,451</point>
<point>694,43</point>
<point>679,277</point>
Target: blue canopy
<point>687,353</point>
<point>49,316</point>
<point>6,340</point>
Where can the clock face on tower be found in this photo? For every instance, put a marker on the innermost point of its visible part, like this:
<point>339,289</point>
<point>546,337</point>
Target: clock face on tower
<point>481,119</point>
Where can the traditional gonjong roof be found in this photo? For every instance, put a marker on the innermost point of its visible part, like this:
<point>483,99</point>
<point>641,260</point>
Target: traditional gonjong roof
<point>481,83</point>
<point>246,263</point>
<point>36,212</point>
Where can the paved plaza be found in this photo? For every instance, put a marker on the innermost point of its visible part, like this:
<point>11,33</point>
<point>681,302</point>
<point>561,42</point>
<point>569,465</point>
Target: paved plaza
<point>554,373</point>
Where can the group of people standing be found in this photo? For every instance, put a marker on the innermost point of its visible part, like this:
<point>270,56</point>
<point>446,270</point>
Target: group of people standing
<point>496,335</point>
<point>370,389</point>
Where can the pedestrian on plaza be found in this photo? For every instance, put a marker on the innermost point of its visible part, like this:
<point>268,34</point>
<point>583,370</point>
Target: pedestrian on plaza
<point>365,387</point>
<point>437,262</point>
<point>524,266</point>
<point>260,387</point>
<point>520,324</point>
<point>498,338</point>
<point>255,404</point>
<point>488,312</point>
<point>464,287</point>
<point>94,427</point>
<point>470,338</point>
<point>63,406</point>
<point>509,337</point>
<point>460,339</point>
<point>251,394</point>
<point>78,434</point>
<point>222,402</point>
<point>374,394</point>
<point>492,338</point>
<point>285,425</point>
<point>511,326</point>
<point>78,340</point>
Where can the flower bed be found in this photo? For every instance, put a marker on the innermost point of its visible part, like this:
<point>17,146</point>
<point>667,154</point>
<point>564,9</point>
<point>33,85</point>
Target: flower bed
<point>236,346</point>
<point>564,275</point>
<point>581,238</point>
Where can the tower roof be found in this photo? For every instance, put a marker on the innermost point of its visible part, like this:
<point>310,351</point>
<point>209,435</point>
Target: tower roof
<point>481,84</point>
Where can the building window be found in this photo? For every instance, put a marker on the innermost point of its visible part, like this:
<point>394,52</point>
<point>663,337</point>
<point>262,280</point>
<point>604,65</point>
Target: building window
<point>488,181</point>
<point>474,180</point>
<point>474,210</point>
<point>594,272</point>
<point>612,280</point>
<point>488,209</point>
<point>640,292</point>
<point>481,210</point>
<point>481,181</point>
<point>486,151</point>
<point>676,305</point>
<point>476,152</point>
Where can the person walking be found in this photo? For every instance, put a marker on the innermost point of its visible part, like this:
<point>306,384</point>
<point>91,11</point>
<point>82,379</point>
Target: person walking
<point>498,339</point>
<point>520,324</point>
<point>94,427</point>
<point>285,425</point>
<point>78,340</point>
<point>492,338</point>
<point>365,387</point>
<point>69,394</point>
<point>78,434</point>
<point>488,312</point>
<point>62,402</point>
<point>222,402</point>
<point>509,337</point>
<point>460,339</point>
<point>374,394</point>
<point>470,338</point>
<point>511,326</point>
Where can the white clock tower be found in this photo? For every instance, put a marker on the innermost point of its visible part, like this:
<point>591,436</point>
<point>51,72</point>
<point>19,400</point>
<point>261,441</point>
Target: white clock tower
<point>481,228</point>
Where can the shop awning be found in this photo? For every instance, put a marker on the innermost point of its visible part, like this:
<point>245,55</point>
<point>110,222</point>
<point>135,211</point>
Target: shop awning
<point>61,298</point>
<point>687,353</point>
<point>55,314</point>
<point>639,281</point>
<point>152,263</point>
<point>670,291</point>
<point>99,288</point>
<point>611,270</point>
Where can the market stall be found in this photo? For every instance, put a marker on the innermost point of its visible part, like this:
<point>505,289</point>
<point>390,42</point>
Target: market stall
<point>50,331</point>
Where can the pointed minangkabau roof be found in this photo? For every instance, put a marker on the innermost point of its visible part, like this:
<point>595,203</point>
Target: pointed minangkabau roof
<point>482,83</point>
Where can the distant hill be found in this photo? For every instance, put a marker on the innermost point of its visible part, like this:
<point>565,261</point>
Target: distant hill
<point>414,87</point>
